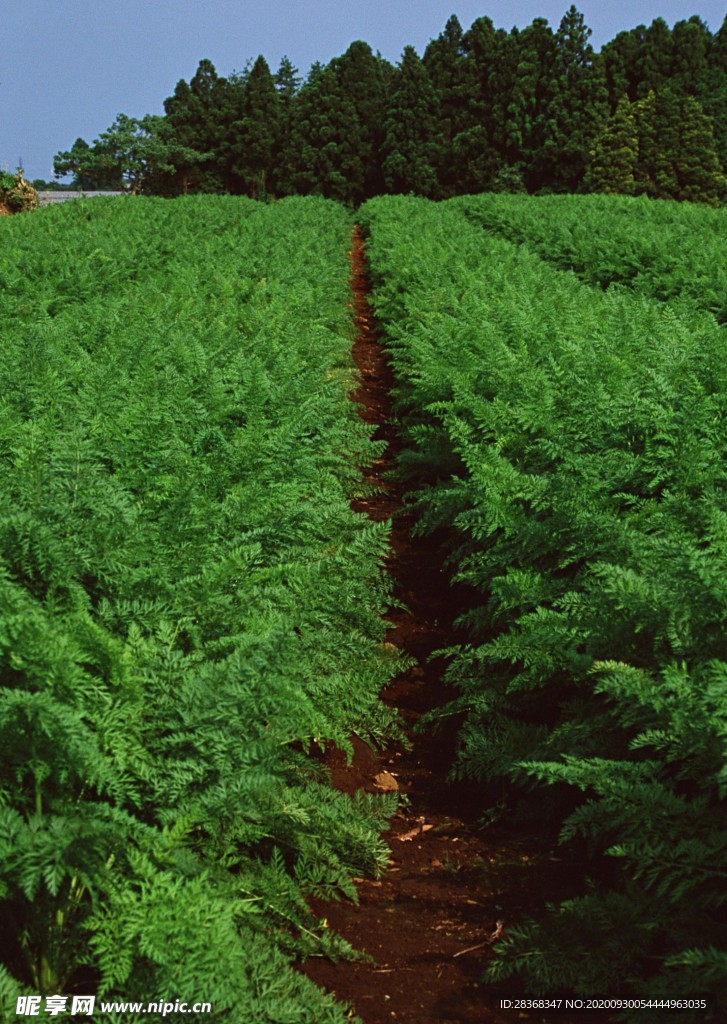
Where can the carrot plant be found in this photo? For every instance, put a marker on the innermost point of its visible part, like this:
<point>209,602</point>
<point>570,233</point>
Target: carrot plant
<point>660,248</point>
<point>189,609</point>
<point>570,442</point>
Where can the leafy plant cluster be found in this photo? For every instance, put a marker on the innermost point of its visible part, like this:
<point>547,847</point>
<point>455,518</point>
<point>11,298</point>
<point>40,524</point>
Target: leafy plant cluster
<point>189,608</point>
<point>666,250</point>
<point>571,444</point>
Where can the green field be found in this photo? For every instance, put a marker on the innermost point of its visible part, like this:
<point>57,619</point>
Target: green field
<point>188,602</point>
<point>190,611</point>
<point>571,442</point>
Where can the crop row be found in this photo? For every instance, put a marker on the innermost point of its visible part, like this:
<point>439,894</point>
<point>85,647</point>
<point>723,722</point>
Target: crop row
<point>189,609</point>
<point>570,442</point>
<point>665,250</point>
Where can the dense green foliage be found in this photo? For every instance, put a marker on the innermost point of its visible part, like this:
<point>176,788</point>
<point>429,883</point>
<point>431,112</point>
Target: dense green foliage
<point>482,109</point>
<point>409,147</point>
<point>189,609</point>
<point>661,146</point>
<point>571,444</point>
<point>660,249</point>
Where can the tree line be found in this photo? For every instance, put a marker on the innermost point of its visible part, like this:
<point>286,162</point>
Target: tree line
<point>532,109</point>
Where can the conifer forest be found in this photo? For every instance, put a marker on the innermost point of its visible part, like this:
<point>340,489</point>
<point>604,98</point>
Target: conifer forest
<point>363,545</point>
<point>530,110</point>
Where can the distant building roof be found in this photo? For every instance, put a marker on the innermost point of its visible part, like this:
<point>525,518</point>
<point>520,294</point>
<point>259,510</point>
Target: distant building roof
<point>52,196</point>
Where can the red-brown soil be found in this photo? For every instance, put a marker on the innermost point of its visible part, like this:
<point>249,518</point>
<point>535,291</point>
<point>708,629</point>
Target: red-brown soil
<point>430,924</point>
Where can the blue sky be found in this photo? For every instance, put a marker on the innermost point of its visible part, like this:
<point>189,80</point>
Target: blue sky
<point>68,67</point>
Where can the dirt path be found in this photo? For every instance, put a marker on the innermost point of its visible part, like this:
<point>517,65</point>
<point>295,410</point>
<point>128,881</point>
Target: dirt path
<point>430,923</point>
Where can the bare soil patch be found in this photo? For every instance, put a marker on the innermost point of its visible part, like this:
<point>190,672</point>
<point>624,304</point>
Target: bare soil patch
<point>430,924</point>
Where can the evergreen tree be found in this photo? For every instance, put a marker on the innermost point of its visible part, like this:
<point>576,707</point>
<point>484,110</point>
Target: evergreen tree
<point>337,128</point>
<point>503,86</point>
<point>287,81</point>
<point>655,60</point>
<point>577,108</point>
<point>718,50</point>
<point>227,165</point>
<point>315,73</point>
<point>361,77</point>
<point>133,154</point>
<point>411,122</point>
<point>193,113</point>
<point>481,44</point>
<point>647,163</point>
<point>713,95</point>
<point>615,152</point>
<point>320,155</point>
<point>698,169</point>
<point>446,64</point>
<point>257,133</point>
<point>80,161</point>
<point>474,147</point>
<point>621,58</point>
<point>135,150</point>
<point>533,94</point>
<point>677,154</point>
<point>691,41</point>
